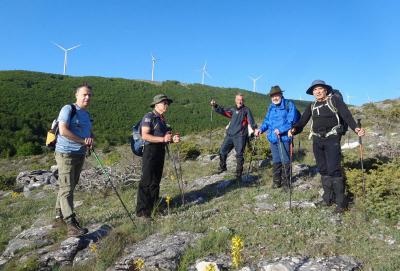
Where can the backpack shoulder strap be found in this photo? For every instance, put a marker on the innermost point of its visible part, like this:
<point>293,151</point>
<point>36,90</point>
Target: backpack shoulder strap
<point>333,108</point>
<point>287,105</point>
<point>312,122</point>
<point>73,112</point>
<point>331,104</point>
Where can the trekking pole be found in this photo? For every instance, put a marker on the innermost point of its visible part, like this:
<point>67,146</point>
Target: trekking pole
<point>211,126</point>
<point>361,158</point>
<point>283,164</point>
<point>298,148</point>
<point>291,173</point>
<point>176,173</point>
<point>251,158</point>
<point>112,185</point>
<point>180,169</point>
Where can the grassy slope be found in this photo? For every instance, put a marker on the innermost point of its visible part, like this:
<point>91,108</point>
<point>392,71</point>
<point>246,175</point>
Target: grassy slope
<point>310,232</point>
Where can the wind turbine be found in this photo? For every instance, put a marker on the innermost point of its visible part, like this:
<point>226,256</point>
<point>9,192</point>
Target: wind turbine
<point>66,54</point>
<point>254,82</point>
<point>153,63</point>
<point>204,72</point>
<point>348,98</point>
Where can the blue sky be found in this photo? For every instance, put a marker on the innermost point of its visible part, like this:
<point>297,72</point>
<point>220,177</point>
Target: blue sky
<point>352,45</point>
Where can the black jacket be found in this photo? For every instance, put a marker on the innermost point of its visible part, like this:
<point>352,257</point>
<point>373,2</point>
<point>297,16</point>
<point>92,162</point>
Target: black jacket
<point>240,118</point>
<point>323,118</point>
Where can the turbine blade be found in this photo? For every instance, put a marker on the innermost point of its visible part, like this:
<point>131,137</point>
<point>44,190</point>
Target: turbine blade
<point>72,48</point>
<point>59,46</point>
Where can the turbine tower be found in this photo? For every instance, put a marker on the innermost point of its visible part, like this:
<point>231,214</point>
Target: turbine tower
<point>254,82</point>
<point>66,54</point>
<point>153,63</point>
<point>204,72</point>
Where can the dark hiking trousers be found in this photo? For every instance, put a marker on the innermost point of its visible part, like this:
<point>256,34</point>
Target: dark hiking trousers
<point>239,143</point>
<point>328,156</point>
<point>149,185</point>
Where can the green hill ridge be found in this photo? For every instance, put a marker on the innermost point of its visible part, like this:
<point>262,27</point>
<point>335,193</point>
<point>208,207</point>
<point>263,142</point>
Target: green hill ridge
<point>29,101</point>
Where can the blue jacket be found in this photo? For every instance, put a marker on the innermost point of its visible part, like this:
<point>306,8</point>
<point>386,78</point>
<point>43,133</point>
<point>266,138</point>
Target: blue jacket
<point>281,117</point>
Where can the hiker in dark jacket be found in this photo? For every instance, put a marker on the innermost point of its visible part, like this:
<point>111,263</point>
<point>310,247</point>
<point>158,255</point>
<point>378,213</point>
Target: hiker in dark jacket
<point>280,117</point>
<point>236,133</point>
<point>157,135</point>
<point>326,132</point>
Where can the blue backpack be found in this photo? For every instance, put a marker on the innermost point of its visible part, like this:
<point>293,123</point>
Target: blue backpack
<point>137,142</point>
<point>297,113</point>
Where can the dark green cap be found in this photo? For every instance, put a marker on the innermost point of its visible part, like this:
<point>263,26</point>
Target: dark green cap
<point>159,98</point>
<point>275,90</point>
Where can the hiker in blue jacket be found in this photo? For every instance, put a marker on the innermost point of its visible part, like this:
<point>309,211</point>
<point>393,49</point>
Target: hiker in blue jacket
<point>280,117</point>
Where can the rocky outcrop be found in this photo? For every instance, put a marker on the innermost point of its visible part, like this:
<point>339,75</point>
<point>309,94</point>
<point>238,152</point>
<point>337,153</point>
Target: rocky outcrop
<point>93,178</point>
<point>69,248</point>
<point>31,180</point>
<point>158,252</point>
<point>335,263</point>
<point>38,240</point>
<point>32,238</point>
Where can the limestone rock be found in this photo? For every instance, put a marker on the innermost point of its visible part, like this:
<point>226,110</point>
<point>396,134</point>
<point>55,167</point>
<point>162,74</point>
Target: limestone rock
<point>158,252</point>
<point>69,248</point>
<point>222,261</point>
<point>32,237</point>
<point>202,266</point>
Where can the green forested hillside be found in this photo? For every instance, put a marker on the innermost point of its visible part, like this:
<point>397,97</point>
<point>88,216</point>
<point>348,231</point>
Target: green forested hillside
<point>30,100</point>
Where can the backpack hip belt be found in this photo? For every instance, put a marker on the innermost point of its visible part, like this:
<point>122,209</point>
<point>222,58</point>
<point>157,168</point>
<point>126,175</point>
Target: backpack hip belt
<point>331,107</point>
<point>333,131</point>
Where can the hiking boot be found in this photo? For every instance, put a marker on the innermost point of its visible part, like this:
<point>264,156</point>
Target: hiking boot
<point>144,217</point>
<point>285,188</point>
<point>327,185</point>
<point>238,179</point>
<point>220,170</point>
<point>276,185</point>
<point>277,175</point>
<point>338,188</point>
<point>74,229</point>
<point>59,218</point>
<point>323,203</point>
<point>339,210</point>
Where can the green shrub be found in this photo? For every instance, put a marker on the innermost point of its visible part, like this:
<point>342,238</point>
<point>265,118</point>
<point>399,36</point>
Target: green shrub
<point>261,149</point>
<point>382,188</point>
<point>29,148</point>
<point>7,182</point>
<point>189,150</point>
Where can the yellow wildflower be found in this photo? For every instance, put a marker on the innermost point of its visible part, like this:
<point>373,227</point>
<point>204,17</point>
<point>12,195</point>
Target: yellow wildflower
<point>210,267</point>
<point>237,247</point>
<point>15,195</point>
<point>168,200</point>
<point>138,264</point>
<point>93,248</point>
